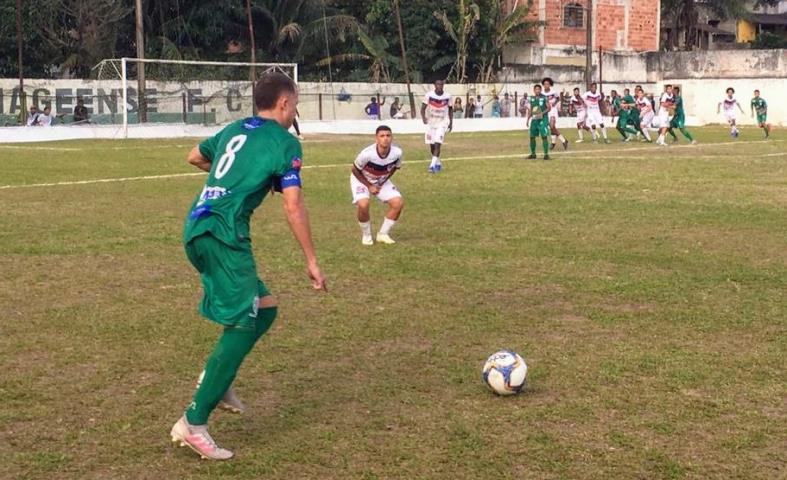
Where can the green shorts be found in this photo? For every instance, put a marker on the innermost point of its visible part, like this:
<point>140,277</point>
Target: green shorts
<point>762,118</point>
<point>229,280</point>
<point>678,121</point>
<point>622,118</point>
<point>539,127</point>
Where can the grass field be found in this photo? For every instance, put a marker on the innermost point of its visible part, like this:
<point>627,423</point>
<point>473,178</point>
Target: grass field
<point>645,287</point>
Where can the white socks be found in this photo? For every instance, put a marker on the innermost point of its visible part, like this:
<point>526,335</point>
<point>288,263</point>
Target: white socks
<point>646,133</point>
<point>579,131</point>
<point>435,161</point>
<point>366,228</point>
<point>388,224</point>
<point>561,138</point>
<point>554,138</point>
<point>604,132</point>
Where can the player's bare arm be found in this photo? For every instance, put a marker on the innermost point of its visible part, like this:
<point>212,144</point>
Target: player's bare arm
<point>373,189</point>
<point>196,158</point>
<point>450,118</point>
<point>739,107</point>
<point>298,218</point>
<point>423,113</point>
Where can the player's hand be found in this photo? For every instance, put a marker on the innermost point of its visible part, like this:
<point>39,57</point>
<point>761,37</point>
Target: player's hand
<point>317,278</point>
<point>424,120</point>
<point>450,126</point>
<point>374,189</point>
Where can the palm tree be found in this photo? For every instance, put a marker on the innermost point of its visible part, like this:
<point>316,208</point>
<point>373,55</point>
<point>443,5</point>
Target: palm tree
<point>460,31</point>
<point>502,30</point>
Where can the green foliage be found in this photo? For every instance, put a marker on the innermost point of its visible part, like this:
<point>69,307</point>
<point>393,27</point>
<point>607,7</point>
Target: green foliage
<point>768,40</point>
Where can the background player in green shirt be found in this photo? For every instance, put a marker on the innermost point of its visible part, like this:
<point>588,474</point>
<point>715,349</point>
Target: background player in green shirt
<point>537,110</point>
<point>759,105</point>
<point>679,119</point>
<point>627,114</point>
<point>245,161</point>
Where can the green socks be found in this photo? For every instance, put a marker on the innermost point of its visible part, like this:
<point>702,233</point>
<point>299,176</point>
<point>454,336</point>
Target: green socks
<point>685,134</point>
<point>544,144</point>
<point>223,365</point>
<point>532,145</point>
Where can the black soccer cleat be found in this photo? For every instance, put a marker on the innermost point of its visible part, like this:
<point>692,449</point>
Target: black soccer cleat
<point>551,146</point>
<point>532,156</point>
<point>547,157</point>
<point>565,145</point>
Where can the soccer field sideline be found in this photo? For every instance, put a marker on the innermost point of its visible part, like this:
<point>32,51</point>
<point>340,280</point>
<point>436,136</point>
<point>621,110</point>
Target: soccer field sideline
<point>573,153</point>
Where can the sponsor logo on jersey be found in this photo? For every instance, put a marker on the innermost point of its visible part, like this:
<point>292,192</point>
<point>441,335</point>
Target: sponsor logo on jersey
<point>212,193</point>
<point>253,122</point>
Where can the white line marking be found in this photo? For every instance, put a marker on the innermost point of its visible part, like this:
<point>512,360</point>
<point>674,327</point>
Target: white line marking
<point>588,154</point>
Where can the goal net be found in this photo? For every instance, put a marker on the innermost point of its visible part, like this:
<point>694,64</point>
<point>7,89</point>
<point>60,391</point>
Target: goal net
<point>135,91</point>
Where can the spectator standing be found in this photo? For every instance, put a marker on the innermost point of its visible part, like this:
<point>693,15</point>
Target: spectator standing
<point>470,107</point>
<point>505,106</point>
<point>373,109</point>
<point>80,112</point>
<point>459,111</point>
<point>523,105</point>
<point>478,111</point>
<point>495,107</point>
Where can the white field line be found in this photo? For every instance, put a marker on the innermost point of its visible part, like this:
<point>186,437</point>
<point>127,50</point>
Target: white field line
<point>587,154</point>
<point>128,147</point>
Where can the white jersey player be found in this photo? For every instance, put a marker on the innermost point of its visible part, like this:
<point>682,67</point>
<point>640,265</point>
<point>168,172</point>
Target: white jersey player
<point>553,98</point>
<point>437,112</point>
<point>645,113</point>
<point>579,107</point>
<point>593,100</point>
<point>371,175</point>
<point>729,103</point>
<point>666,104</point>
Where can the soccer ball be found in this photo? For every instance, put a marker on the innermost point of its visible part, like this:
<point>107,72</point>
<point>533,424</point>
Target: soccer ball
<point>734,134</point>
<point>505,372</point>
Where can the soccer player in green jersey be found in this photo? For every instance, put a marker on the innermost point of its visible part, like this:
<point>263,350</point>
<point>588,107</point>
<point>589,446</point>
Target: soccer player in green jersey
<point>627,115</point>
<point>537,118</point>
<point>244,161</point>
<point>759,105</point>
<point>679,119</point>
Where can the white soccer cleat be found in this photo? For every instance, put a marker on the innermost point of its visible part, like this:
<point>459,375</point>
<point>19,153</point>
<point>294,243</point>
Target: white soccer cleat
<point>385,238</point>
<point>197,438</point>
<point>367,240</point>
<point>578,141</point>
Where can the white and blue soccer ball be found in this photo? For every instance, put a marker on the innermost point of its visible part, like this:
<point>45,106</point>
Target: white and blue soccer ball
<point>734,133</point>
<point>505,372</point>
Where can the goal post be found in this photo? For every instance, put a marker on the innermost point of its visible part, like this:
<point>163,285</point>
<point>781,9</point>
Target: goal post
<point>183,91</point>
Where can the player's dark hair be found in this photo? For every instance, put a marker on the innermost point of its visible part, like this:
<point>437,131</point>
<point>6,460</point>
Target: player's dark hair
<point>667,85</point>
<point>613,91</point>
<point>383,128</point>
<point>547,79</point>
<point>576,88</point>
<point>537,85</point>
<point>756,91</point>
<point>676,88</point>
<point>730,89</point>
<point>270,87</point>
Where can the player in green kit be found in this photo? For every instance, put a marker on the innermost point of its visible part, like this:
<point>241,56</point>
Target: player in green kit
<point>244,161</point>
<point>679,119</point>
<point>628,115</point>
<point>537,110</point>
<point>759,105</point>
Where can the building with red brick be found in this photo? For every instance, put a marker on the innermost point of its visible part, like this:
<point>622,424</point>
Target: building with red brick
<point>618,26</point>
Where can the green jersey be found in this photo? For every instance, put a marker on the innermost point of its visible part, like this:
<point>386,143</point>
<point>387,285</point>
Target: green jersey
<point>248,158</point>
<point>616,104</point>
<point>538,106</point>
<point>678,101</point>
<point>759,105</point>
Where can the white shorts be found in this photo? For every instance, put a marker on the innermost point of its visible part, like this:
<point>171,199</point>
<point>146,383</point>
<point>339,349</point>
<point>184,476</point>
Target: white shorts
<point>730,116</point>
<point>663,118</point>
<point>581,116</point>
<point>594,117</point>
<point>387,191</point>
<point>647,119</point>
<point>435,134</point>
<point>553,113</point>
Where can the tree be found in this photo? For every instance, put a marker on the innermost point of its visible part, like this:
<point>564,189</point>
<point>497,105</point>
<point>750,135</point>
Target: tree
<point>460,30</point>
<point>497,29</point>
<point>684,17</point>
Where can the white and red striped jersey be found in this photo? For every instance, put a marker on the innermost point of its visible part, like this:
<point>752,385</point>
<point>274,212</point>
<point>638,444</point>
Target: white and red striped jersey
<point>592,100</point>
<point>729,104</point>
<point>577,103</point>
<point>644,105</point>
<point>376,169</point>
<point>552,97</point>
<point>437,108</point>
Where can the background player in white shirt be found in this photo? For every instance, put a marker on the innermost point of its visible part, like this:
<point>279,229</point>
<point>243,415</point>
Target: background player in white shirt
<point>437,112</point>
<point>666,110</point>
<point>645,113</point>
<point>553,97</point>
<point>593,100</point>
<point>371,175</point>
<point>730,114</point>
<point>579,107</point>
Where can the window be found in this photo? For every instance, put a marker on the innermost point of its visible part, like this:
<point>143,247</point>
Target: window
<point>573,15</point>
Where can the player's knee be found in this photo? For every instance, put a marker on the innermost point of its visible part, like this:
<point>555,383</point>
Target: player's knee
<point>268,301</point>
<point>396,204</point>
